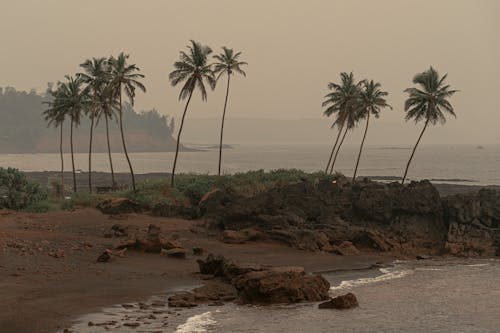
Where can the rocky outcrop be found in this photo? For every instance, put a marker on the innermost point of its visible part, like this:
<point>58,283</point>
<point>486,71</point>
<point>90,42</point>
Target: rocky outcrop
<point>151,240</point>
<point>473,221</point>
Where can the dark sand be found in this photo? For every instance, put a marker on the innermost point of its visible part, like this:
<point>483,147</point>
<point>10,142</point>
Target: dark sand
<point>49,274</point>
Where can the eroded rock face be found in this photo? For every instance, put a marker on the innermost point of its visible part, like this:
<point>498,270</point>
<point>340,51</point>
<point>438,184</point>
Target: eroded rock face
<point>152,240</point>
<point>116,206</point>
<point>473,223</point>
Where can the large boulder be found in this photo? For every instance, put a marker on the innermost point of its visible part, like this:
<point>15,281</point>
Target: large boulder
<point>115,206</point>
<point>342,302</point>
<point>151,240</point>
<point>210,292</point>
<point>280,285</point>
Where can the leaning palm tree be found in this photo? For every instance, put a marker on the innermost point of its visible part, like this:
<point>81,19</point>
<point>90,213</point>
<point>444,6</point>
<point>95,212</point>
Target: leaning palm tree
<point>125,78</point>
<point>193,68</point>
<point>371,100</point>
<point>95,76</point>
<point>228,63</point>
<point>340,103</point>
<point>429,102</point>
<point>54,115</point>
<point>73,99</point>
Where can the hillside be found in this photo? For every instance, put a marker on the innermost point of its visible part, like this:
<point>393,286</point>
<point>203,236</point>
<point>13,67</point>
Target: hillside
<point>23,129</point>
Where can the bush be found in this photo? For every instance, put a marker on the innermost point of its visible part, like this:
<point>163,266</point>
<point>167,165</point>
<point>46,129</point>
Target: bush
<point>16,192</point>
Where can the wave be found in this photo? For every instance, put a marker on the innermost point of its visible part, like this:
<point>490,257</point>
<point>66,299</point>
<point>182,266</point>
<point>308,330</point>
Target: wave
<point>197,324</point>
<point>387,274</point>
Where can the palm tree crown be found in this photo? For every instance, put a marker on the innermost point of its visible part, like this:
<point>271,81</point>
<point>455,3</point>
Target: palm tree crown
<point>73,98</point>
<point>430,100</point>
<point>342,100</point>
<point>227,62</point>
<point>193,68</point>
<point>125,77</point>
<point>371,99</point>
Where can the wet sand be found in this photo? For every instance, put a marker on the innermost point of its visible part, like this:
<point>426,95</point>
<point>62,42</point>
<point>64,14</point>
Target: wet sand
<point>49,274</point>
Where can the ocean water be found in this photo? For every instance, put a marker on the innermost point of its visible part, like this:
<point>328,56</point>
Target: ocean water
<point>458,164</point>
<point>413,296</point>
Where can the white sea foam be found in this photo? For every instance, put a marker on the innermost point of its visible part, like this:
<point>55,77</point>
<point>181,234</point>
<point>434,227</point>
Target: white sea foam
<point>387,275</point>
<point>197,324</point>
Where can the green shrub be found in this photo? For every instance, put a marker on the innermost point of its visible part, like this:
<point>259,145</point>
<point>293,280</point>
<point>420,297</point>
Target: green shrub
<point>16,192</point>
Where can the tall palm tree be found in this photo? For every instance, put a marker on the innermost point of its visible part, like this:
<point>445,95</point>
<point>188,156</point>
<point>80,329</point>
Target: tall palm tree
<point>228,63</point>
<point>428,102</point>
<point>55,115</point>
<point>340,102</point>
<point>370,102</point>
<point>96,76</point>
<point>193,68</point>
<point>73,99</point>
<point>125,77</point>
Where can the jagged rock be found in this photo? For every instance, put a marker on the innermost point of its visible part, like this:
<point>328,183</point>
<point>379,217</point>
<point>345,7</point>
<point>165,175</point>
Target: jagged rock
<point>342,302</point>
<point>208,293</point>
<point>104,257</point>
<point>345,248</point>
<point>226,269</point>
<point>116,206</point>
<point>151,241</point>
<point>233,237</point>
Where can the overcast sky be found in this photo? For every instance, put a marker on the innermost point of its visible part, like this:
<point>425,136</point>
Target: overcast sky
<point>294,48</point>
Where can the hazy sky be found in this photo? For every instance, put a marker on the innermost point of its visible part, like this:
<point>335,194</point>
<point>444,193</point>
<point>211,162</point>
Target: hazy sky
<point>294,49</point>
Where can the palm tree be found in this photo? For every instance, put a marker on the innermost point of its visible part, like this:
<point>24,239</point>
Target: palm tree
<point>192,67</point>
<point>73,100</point>
<point>340,102</point>
<point>429,102</point>
<point>370,102</point>
<point>95,75</point>
<point>227,63</point>
<point>125,77</point>
<point>54,115</point>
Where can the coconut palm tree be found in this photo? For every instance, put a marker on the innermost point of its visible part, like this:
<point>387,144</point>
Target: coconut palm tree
<point>340,102</point>
<point>125,78</point>
<point>96,76</point>
<point>227,63</point>
<point>55,115</point>
<point>193,69</point>
<point>371,100</point>
<point>428,102</point>
<point>73,99</point>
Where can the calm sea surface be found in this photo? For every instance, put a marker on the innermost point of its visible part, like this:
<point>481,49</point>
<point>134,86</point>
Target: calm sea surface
<point>459,164</point>
<point>426,296</point>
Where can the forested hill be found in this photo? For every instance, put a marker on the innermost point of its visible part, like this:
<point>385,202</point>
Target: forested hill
<point>23,129</point>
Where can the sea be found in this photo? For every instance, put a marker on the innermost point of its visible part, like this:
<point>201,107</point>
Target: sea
<point>458,295</point>
<point>454,164</point>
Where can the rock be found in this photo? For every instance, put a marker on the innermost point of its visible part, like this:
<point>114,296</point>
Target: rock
<point>115,206</point>
<point>151,241</point>
<point>342,302</point>
<point>423,257</point>
<point>280,285</point>
<point>198,251</point>
<point>345,248</point>
<point>179,253</point>
<point>233,237</point>
<point>104,257</point>
<point>182,300</point>
<point>226,269</point>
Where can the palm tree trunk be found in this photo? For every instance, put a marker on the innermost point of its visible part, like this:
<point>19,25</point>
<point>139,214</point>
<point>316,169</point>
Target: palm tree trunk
<point>72,157</point>
<point>90,154</point>
<point>62,160</point>
<point>333,149</point>
<point>338,149</point>
<point>222,125</point>
<point>113,184</point>
<point>361,147</point>
<point>172,176</point>
<point>413,152</point>
<point>124,145</point>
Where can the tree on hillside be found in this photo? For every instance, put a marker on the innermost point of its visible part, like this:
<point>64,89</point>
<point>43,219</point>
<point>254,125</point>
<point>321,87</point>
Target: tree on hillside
<point>340,102</point>
<point>428,102</point>
<point>125,78</point>
<point>370,101</point>
<point>193,69</point>
<point>227,63</point>
<point>96,76</point>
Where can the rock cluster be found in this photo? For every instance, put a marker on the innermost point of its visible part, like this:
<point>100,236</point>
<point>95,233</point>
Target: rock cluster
<point>253,284</point>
